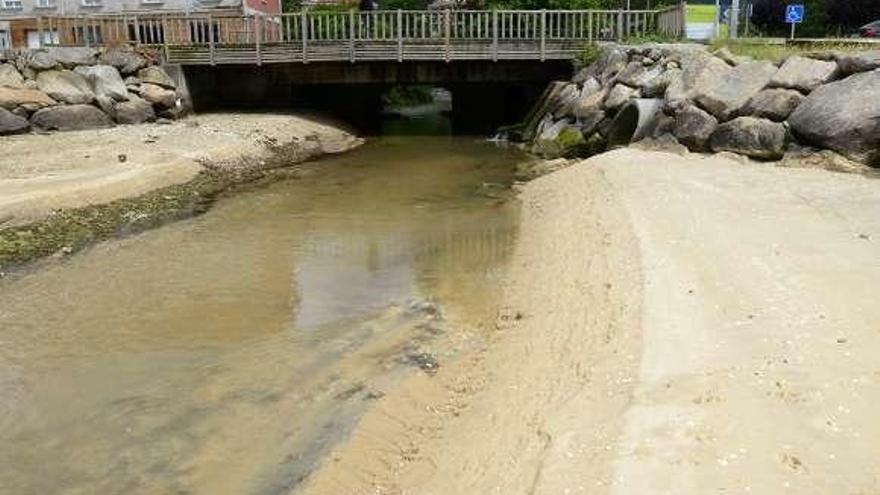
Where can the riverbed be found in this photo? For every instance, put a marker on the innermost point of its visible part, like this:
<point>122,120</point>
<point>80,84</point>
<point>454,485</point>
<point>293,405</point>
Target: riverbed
<point>229,352</point>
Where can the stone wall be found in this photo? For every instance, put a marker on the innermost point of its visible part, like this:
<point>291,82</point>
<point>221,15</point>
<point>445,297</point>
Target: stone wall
<point>722,102</point>
<point>82,88</point>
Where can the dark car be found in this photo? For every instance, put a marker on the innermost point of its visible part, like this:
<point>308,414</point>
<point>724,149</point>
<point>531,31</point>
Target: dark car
<point>871,30</point>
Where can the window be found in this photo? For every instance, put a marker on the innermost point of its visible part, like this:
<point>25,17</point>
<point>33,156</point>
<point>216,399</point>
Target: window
<point>45,4</point>
<point>148,32</point>
<point>5,42</point>
<point>10,4</point>
<point>202,32</point>
<point>90,35</point>
<point>91,3</point>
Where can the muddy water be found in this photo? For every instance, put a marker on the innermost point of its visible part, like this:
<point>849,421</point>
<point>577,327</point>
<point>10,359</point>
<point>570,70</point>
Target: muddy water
<point>227,353</point>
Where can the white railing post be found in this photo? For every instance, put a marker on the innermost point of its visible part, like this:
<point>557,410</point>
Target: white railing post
<point>40,30</point>
<point>258,35</point>
<point>137,30</point>
<point>543,33</point>
<point>494,35</point>
<point>590,26</point>
<point>351,34</point>
<point>211,37</point>
<point>304,31</point>
<point>446,26</point>
<point>399,35</point>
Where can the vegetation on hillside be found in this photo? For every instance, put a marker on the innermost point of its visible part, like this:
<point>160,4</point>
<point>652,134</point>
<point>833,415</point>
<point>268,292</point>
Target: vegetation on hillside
<point>834,18</point>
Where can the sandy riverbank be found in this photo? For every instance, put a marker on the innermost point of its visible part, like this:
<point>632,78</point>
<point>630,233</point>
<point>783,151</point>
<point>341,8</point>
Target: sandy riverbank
<point>40,173</point>
<point>61,192</point>
<point>673,324</point>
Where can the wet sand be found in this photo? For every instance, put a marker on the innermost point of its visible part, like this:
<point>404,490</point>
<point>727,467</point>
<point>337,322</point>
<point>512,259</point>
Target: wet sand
<point>671,324</point>
<point>41,173</point>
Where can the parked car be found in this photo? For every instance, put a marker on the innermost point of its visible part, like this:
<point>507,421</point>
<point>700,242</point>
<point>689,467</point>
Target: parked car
<point>871,30</point>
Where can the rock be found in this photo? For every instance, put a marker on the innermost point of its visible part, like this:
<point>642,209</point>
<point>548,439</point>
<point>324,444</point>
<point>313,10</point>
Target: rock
<point>589,122</point>
<point>158,96</point>
<point>610,63</point>
<point>750,136</point>
<point>773,104</point>
<point>656,87</point>
<point>107,105</point>
<point>156,75</point>
<point>590,86</point>
<point>733,90</point>
<point>586,105</point>
<point>725,54</point>
<point>40,60</point>
<point>619,95</point>
<point>802,157</point>
<point>123,58</point>
<point>552,130</point>
<point>104,81</point>
<point>562,103</point>
<point>70,118</point>
<point>11,98</point>
<point>134,111</point>
<point>66,86</point>
<point>854,62</point>
<point>30,84</point>
<point>804,74</point>
<point>12,124</point>
<point>694,127</point>
<point>699,72</point>
<point>71,56</point>
<point>843,116</point>
<point>637,75</point>
<point>10,77</point>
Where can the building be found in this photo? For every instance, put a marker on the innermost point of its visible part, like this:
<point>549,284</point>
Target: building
<point>23,22</point>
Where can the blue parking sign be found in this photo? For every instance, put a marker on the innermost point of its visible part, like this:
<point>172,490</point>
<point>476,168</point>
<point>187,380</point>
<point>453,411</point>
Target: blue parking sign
<point>794,14</point>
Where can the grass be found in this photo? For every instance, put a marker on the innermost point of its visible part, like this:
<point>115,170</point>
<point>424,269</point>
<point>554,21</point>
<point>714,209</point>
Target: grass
<point>776,51</point>
<point>700,13</point>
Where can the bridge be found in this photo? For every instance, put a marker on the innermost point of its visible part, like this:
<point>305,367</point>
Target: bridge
<point>352,36</point>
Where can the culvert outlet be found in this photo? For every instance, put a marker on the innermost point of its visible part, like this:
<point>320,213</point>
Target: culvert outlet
<point>634,121</point>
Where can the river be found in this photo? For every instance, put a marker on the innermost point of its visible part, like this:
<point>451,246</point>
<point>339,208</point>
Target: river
<point>229,352</point>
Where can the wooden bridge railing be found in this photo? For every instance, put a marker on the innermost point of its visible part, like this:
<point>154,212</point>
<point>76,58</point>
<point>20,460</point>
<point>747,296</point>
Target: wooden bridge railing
<point>203,38</point>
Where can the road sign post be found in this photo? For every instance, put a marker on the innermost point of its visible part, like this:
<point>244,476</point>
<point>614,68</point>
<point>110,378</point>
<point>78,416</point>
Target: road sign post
<point>794,15</point>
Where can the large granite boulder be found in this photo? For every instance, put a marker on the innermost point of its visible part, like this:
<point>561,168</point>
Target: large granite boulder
<point>730,92</point>
<point>589,104</point>
<point>70,118</point>
<point>619,95</point>
<point>854,62</point>
<point>657,86</point>
<point>66,86</point>
<point>637,75</point>
<point>12,124</point>
<point>11,98</point>
<point>609,64</point>
<point>561,105</point>
<point>694,127</point>
<point>10,77</point>
<point>123,58</point>
<point>843,116</point>
<point>804,74</point>
<point>774,104</point>
<point>40,60</point>
<point>72,56</point>
<point>750,136</point>
<point>156,75</point>
<point>699,71</point>
<point>104,81</point>
<point>134,111</point>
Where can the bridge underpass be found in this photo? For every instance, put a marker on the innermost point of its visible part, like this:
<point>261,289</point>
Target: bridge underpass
<point>484,96</point>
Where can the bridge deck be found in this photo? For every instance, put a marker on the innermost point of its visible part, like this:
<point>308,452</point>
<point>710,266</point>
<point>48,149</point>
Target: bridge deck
<point>315,36</point>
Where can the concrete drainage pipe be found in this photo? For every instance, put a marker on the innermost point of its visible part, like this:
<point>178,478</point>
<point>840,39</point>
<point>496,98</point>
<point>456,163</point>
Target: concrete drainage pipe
<point>634,121</point>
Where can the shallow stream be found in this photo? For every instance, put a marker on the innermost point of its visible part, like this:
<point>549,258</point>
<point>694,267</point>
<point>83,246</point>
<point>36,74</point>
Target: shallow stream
<point>229,352</point>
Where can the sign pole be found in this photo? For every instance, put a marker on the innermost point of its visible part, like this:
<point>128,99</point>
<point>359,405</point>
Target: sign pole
<point>793,24</point>
<point>733,20</point>
<point>717,18</point>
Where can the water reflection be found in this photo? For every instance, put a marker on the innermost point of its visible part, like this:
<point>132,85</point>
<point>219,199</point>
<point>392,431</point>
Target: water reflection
<point>225,353</point>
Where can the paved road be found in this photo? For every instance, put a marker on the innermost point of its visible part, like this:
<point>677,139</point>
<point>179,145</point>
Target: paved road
<point>700,30</point>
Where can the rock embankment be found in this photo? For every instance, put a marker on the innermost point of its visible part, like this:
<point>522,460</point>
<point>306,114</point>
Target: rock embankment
<point>720,102</point>
<point>74,88</point>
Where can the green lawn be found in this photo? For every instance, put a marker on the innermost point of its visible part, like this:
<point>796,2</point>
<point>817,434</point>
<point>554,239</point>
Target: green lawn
<point>700,13</point>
